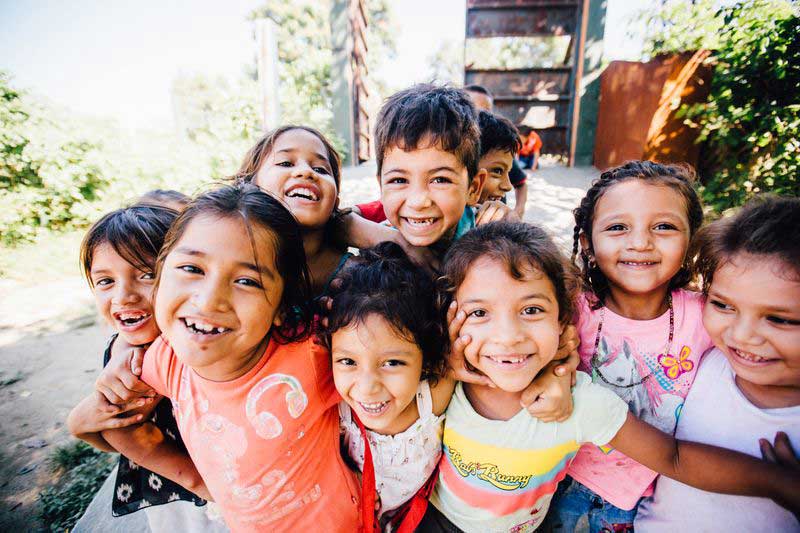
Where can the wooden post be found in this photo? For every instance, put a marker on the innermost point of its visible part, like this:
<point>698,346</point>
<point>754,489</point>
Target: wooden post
<point>268,78</point>
<point>342,78</point>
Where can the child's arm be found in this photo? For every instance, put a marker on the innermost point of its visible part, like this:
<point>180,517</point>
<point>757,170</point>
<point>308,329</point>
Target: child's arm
<point>362,233</point>
<point>146,446</point>
<point>521,198</point>
<point>94,414</point>
<point>707,467</point>
<point>549,396</point>
<point>441,392</point>
<point>493,211</point>
<point>119,381</point>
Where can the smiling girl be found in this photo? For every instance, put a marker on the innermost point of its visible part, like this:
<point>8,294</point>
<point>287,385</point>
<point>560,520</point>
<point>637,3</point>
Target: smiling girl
<point>387,339</point>
<point>253,395</point>
<point>641,331</point>
<point>749,386</point>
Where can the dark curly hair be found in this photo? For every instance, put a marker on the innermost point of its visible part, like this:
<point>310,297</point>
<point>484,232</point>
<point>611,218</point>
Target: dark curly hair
<point>498,133</point>
<point>679,177</point>
<point>383,281</point>
<point>765,226</point>
<point>257,208</point>
<point>518,245</point>
<point>443,115</point>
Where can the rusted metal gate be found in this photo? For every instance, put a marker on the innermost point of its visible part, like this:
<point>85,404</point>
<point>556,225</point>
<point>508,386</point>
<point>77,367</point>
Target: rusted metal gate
<point>539,96</point>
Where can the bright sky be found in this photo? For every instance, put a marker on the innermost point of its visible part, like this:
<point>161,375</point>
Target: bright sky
<point>114,58</point>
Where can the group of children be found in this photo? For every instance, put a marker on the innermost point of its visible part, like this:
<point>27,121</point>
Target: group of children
<point>421,384</point>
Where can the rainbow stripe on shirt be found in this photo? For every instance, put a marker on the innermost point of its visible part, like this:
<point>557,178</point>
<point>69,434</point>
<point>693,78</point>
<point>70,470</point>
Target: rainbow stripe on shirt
<point>501,481</point>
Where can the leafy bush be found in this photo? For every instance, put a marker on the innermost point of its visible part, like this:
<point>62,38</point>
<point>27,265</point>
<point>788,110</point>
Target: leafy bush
<point>750,125</point>
<point>82,472</point>
<point>47,173</point>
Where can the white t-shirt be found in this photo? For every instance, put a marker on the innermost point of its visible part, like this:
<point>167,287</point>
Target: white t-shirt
<point>716,412</point>
<point>500,475</point>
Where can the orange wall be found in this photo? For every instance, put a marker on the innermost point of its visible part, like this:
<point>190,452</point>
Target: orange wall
<point>638,102</point>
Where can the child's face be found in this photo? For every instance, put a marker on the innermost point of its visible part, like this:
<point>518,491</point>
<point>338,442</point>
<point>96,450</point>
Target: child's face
<point>497,164</point>
<point>753,316</point>
<point>424,192</point>
<point>377,371</point>
<point>298,172</point>
<point>640,234</point>
<point>123,295</point>
<point>216,301</point>
<point>513,322</point>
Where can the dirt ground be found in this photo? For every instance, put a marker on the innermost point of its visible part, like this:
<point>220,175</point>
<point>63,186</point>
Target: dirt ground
<point>51,346</point>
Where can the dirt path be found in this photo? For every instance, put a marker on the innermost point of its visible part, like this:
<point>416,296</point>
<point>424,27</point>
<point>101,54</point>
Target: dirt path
<point>51,344</point>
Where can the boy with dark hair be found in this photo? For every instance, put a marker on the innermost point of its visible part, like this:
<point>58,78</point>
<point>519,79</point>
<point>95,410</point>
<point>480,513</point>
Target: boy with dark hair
<point>484,101</point>
<point>427,145</point>
<point>499,143</point>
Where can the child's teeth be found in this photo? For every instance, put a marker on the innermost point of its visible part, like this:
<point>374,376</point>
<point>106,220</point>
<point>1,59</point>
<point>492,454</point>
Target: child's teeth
<point>203,327</point>
<point>302,191</point>
<point>373,407</point>
<point>750,356</point>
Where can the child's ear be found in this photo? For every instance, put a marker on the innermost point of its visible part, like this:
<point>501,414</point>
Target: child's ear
<point>278,320</point>
<point>476,187</point>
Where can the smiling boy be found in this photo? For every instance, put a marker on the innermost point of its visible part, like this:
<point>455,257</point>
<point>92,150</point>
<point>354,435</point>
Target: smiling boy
<point>499,143</point>
<point>428,148</point>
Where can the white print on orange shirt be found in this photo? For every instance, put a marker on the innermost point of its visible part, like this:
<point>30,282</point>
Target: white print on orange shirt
<point>266,424</point>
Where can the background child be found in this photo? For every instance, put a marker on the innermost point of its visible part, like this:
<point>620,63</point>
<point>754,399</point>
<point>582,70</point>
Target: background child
<point>165,197</point>
<point>499,143</point>
<point>641,332</point>
<point>232,302</point>
<point>118,257</point>
<point>531,148</point>
<point>299,166</point>
<point>749,386</point>
<point>484,101</point>
<point>501,466</point>
<point>387,339</point>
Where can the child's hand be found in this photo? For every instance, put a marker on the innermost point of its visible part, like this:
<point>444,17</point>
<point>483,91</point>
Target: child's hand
<point>549,397</point>
<point>95,414</point>
<point>119,381</point>
<point>459,368</point>
<point>420,255</point>
<point>781,452</point>
<point>493,211</point>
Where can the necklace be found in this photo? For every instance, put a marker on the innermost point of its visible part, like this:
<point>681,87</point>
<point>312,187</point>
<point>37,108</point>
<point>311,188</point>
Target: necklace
<point>596,363</point>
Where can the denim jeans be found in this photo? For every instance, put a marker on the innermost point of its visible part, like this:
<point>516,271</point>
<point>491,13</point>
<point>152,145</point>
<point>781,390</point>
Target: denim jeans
<point>573,500</point>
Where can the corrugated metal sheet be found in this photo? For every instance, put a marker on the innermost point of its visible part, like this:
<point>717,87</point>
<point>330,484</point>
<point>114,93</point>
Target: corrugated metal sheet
<point>540,97</point>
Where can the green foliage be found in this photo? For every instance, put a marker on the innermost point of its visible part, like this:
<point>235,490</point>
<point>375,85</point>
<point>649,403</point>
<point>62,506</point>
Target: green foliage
<point>59,172</point>
<point>305,56</point>
<point>750,125</point>
<point>48,173</point>
<point>82,471</point>
<point>679,26</point>
<point>221,118</point>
